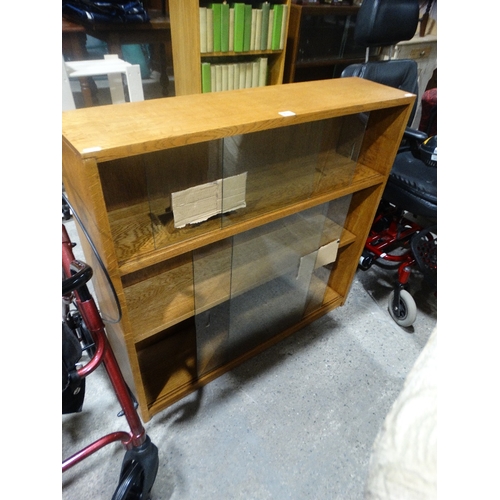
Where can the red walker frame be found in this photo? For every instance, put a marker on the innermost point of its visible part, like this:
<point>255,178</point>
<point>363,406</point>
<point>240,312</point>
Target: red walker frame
<point>140,449</point>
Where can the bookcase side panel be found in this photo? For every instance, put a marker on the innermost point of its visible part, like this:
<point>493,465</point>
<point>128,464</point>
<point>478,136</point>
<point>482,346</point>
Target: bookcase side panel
<point>83,187</point>
<point>361,214</point>
<point>383,136</point>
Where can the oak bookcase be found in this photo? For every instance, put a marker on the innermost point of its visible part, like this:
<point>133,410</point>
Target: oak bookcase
<point>187,58</point>
<point>197,300</point>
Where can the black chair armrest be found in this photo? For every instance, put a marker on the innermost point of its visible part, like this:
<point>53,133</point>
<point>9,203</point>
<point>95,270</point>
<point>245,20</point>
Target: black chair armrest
<point>414,135</point>
<point>412,138</point>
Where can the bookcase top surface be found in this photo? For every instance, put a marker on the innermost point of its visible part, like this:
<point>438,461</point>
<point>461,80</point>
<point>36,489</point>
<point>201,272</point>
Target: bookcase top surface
<point>121,130</point>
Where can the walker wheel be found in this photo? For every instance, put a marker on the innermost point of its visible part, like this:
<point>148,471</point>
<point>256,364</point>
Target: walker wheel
<point>405,312</point>
<point>131,483</point>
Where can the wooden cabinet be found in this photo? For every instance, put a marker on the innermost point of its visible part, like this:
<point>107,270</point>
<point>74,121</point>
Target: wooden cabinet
<point>187,57</point>
<point>321,42</point>
<point>294,173</point>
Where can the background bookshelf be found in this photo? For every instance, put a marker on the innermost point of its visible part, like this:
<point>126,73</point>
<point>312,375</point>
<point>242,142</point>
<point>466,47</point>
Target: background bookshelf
<point>231,51</point>
<point>321,42</point>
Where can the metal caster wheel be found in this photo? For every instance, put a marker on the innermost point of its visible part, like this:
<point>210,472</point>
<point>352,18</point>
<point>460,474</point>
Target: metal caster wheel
<point>404,312</point>
<point>366,260</point>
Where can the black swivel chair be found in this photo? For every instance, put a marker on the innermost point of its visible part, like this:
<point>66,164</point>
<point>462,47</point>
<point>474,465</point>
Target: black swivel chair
<point>411,191</point>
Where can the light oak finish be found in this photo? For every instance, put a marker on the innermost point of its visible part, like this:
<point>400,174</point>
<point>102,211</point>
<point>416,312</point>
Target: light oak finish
<point>187,59</point>
<point>121,161</point>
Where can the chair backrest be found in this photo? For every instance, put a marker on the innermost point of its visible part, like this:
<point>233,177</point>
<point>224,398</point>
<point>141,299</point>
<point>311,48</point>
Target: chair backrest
<point>382,23</point>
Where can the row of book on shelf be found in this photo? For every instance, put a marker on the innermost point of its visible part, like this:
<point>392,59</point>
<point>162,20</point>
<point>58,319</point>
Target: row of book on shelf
<point>240,27</point>
<point>238,75</point>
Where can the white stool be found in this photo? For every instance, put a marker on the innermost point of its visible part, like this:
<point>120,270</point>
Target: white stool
<point>113,68</point>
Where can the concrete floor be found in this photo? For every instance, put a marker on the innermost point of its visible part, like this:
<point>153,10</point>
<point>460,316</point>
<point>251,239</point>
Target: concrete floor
<point>298,421</point>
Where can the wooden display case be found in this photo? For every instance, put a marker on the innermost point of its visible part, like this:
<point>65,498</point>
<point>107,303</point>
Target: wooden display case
<point>187,58</point>
<point>311,161</point>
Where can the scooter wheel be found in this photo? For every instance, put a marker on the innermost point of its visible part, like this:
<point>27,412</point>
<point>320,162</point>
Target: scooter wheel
<point>131,481</point>
<point>405,312</point>
<point>366,261</point>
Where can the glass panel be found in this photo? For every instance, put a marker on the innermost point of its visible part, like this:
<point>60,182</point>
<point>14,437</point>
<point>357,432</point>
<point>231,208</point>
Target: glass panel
<point>332,234</point>
<point>321,37</point>
<point>272,268</point>
<point>268,272</point>
<point>275,168</point>
<point>162,198</point>
<point>182,184</point>
<point>125,193</point>
<point>278,166</point>
<point>139,193</point>
<point>212,290</point>
<point>341,144</point>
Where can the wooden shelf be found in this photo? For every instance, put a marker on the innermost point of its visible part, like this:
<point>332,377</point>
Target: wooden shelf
<point>232,55</point>
<point>138,232</point>
<point>323,61</point>
<point>168,297</point>
<point>315,174</point>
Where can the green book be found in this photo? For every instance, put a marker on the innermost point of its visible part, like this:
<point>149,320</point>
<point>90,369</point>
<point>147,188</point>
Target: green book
<point>266,6</point>
<point>277,22</point>
<point>205,77</point>
<point>216,24</point>
<point>224,27</point>
<point>239,26</point>
<point>247,32</point>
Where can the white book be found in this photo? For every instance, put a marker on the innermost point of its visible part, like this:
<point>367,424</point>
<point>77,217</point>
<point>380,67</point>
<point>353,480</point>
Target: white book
<point>225,76</point>
<point>218,77</point>
<point>255,73</point>
<point>252,32</point>
<point>242,75</point>
<point>258,28</point>
<point>230,77</point>
<point>203,29</point>
<point>210,30</point>
<point>212,77</point>
<point>248,75</point>
<point>237,68</point>
<point>262,71</point>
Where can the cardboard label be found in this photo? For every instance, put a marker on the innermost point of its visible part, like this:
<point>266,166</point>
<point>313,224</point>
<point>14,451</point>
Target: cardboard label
<point>199,203</point>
